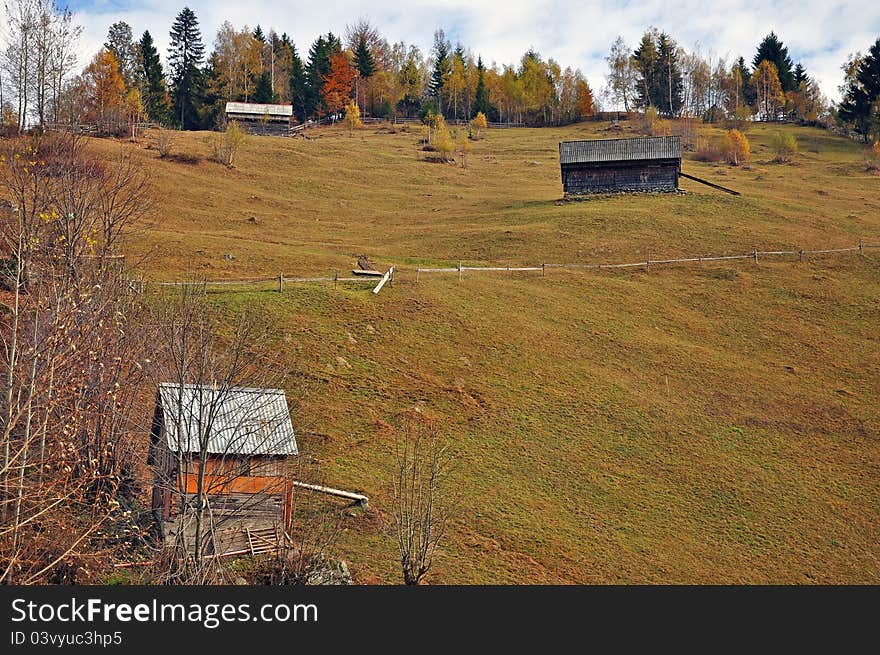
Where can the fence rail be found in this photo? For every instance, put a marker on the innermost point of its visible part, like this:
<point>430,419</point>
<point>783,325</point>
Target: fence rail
<point>276,283</point>
<point>755,255</point>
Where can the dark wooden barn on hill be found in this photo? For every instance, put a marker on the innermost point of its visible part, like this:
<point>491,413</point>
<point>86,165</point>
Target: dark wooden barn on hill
<point>256,118</point>
<point>620,165</point>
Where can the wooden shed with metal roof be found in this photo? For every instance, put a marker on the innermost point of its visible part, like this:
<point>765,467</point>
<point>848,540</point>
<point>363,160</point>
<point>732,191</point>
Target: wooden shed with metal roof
<point>226,445</point>
<point>261,118</point>
<point>620,165</point>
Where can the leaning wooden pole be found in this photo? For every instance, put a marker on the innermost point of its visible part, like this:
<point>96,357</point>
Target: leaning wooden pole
<point>711,184</point>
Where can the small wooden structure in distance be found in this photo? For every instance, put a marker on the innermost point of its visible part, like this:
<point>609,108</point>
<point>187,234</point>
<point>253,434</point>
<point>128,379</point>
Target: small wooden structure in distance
<point>620,165</point>
<point>248,437</point>
<point>258,118</point>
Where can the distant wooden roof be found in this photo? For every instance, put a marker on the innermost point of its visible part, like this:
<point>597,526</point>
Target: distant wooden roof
<point>233,420</point>
<point>258,109</point>
<point>614,150</point>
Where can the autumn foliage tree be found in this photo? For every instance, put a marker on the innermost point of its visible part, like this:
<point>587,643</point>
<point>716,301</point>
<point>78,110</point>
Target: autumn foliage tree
<point>478,124</point>
<point>338,83</point>
<point>736,147</point>
<point>768,90</point>
<point>104,90</point>
<point>352,118</point>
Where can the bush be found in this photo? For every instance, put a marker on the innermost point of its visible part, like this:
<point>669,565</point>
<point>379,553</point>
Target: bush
<point>478,124</point>
<point>223,148</point>
<point>736,147</point>
<point>872,158</point>
<point>708,151</point>
<point>443,139</point>
<point>784,146</point>
<point>164,141</point>
<point>649,119</point>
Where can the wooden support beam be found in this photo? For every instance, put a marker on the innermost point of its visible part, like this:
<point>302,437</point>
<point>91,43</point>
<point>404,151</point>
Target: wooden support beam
<point>360,499</point>
<point>711,184</point>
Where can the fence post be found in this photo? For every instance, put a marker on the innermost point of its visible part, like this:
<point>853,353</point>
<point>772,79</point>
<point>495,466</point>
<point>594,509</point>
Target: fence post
<point>648,262</point>
<point>801,255</point>
<point>280,282</point>
<point>336,279</point>
<point>755,255</point>
<point>543,269</point>
<point>459,270</point>
<point>508,270</point>
<point>418,273</point>
<point>861,250</point>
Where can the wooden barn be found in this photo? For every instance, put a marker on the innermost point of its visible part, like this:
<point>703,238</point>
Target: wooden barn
<point>620,165</point>
<point>245,437</point>
<point>257,118</point>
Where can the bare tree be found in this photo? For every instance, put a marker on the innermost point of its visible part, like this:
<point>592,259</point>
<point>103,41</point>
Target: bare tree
<point>71,362</point>
<point>422,502</point>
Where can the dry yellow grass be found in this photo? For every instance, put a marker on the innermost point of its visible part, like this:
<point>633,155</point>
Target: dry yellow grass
<point>693,424</point>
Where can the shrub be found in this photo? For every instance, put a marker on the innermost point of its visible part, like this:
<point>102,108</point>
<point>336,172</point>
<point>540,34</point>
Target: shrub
<point>223,148</point>
<point>784,146</point>
<point>708,151</point>
<point>872,158</point>
<point>736,147</point>
<point>443,139</point>
<point>164,141</point>
<point>352,118</point>
<point>463,147</point>
<point>477,124</point>
<point>649,118</point>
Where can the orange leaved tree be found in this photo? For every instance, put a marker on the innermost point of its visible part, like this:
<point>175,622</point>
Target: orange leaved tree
<point>338,83</point>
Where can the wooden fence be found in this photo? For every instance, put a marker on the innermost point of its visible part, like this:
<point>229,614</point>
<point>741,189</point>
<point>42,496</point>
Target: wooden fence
<point>277,283</point>
<point>755,256</point>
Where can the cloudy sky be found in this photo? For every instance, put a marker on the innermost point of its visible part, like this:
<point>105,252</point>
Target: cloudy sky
<point>818,33</point>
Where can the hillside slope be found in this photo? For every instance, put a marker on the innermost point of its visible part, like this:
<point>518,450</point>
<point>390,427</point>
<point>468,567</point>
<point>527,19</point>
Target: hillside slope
<point>714,423</point>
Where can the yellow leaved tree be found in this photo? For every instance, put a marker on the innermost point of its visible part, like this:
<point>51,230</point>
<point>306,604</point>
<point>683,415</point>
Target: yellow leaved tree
<point>352,118</point>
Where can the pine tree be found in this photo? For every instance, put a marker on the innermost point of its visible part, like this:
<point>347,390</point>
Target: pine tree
<point>363,58</point>
<point>258,34</point>
<point>298,84</point>
<point>861,99</point>
<point>121,43</point>
<point>771,49</point>
<point>263,92</point>
<point>185,57</point>
<point>442,66</point>
<point>481,95</point>
<point>800,75</point>
<point>153,90</point>
<point>668,94</point>
<point>645,60</point>
<point>748,91</point>
<point>317,68</point>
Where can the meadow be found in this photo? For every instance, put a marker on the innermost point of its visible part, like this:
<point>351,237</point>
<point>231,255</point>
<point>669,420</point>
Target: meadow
<point>713,423</point>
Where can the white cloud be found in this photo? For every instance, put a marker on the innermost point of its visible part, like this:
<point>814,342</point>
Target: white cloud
<point>818,33</point>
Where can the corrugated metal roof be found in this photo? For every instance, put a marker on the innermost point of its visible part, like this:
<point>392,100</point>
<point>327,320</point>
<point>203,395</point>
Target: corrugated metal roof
<point>258,109</point>
<point>236,420</point>
<point>611,150</point>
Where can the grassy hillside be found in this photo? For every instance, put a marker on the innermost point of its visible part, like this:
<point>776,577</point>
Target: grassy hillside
<point>693,424</point>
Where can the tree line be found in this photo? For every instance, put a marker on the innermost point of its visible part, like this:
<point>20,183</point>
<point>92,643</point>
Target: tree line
<point>661,74</point>
<point>126,81</point>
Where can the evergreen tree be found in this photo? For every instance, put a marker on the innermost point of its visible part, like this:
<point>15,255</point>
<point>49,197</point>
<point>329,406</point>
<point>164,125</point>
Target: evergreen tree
<point>481,95</point>
<point>800,75</point>
<point>442,66</point>
<point>668,92</point>
<point>263,92</point>
<point>298,84</point>
<point>748,91</point>
<point>258,34</point>
<point>185,57</point>
<point>212,105</point>
<point>645,60</point>
<point>861,100</point>
<point>771,49</point>
<point>363,58</point>
<point>317,68</point>
<point>153,90</point>
<point>121,43</point>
